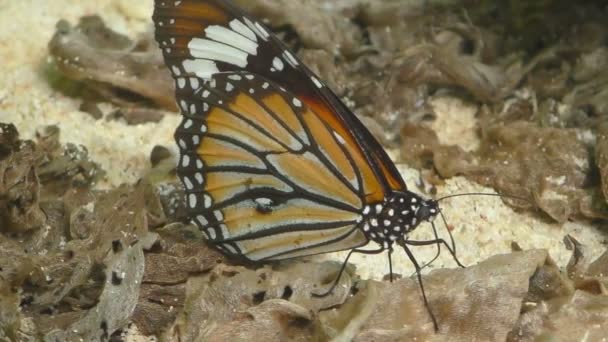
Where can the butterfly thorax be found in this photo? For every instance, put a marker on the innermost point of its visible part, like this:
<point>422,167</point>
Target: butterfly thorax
<point>400,213</point>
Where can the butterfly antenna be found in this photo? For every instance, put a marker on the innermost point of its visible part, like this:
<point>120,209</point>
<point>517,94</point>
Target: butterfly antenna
<point>486,194</point>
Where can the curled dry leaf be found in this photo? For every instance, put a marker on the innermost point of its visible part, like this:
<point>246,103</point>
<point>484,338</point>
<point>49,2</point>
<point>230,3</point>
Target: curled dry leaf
<point>469,304</point>
<point>550,166</point>
<point>112,64</point>
<point>216,302</point>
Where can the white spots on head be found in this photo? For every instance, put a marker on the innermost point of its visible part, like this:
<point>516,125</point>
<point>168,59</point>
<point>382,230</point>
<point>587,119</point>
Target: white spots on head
<point>237,26</point>
<point>192,200</point>
<point>207,201</point>
<point>277,64</point>
<point>297,102</point>
<point>200,67</point>
<point>366,210</point>
<point>290,58</point>
<point>432,211</point>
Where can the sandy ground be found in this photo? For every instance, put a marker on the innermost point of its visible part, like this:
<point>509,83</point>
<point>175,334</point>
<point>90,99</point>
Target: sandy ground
<point>482,226</point>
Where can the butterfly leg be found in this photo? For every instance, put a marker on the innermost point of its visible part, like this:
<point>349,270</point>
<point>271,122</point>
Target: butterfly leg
<point>337,280</point>
<point>417,267</point>
<point>435,242</point>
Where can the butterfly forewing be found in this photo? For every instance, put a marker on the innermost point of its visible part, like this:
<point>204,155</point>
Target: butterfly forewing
<point>274,165</point>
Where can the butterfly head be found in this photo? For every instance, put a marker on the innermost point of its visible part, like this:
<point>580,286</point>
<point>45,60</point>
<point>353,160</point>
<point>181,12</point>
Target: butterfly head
<point>396,216</point>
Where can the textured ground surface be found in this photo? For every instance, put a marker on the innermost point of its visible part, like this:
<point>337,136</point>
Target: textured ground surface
<point>482,226</point>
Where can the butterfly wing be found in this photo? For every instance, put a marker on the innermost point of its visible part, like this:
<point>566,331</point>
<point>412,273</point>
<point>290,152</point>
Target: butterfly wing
<point>274,165</point>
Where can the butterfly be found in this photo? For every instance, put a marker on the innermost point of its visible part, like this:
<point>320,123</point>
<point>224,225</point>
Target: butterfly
<point>274,164</point>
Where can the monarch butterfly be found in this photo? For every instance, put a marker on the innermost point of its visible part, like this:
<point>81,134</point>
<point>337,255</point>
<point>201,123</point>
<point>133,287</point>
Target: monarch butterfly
<point>274,165</point>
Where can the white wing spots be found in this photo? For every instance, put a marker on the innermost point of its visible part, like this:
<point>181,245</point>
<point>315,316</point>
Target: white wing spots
<point>229,87</point>
<point>193,109</point>
<point>185,160</point>
<point>182,144</point>
<point>374,222</point>
<point>257,28</point>
<point>366,227</point>
<point>214,51</point>
<point>188,124</point>
<point>183,105</point>
<point>206,94</point>
<point>207,201</point>
<point>188,183</point>
<point>200,67</point>
<point>212,84</point>
<point>172,40</point>
<point>205,107</point>
<point>199,178</point>
<point>203,128</point>
<point>181,83</point>
<point>231,249</point>
<point>316,82</point>
<point>265,85</point>
<point>366,210</point>
<point>339,138</point>
<point>171,21</point>
<point>290,58</point>
<point>175,70</point>
<point>212,233</point>
<point>227,36</point>
<point>297,102</point>
<point>192,200</point>
<point>249,77</point>
<point>194,84</point>
<point>218,215</point>
<point>235,77</point>
<point>177,3</point>
<point>199,164</point>
<point>239,27</point>
<point>277,64</point>
<point>196,140</point>
<point>251,90</point>
<point>202,220</point>
<point>263,201</point>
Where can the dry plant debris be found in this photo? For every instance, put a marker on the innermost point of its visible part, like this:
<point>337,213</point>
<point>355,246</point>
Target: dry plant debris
<point>80,263</point>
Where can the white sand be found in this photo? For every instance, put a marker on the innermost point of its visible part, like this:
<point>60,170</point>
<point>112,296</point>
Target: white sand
<point>483,226</point>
